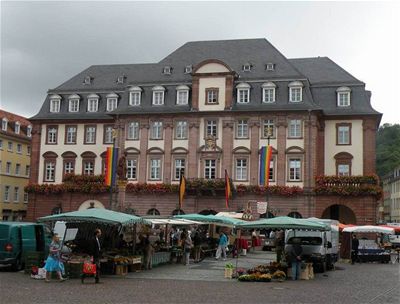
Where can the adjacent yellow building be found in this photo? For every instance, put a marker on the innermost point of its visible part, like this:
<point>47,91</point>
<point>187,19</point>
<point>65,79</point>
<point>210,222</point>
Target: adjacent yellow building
<point>15,151</point>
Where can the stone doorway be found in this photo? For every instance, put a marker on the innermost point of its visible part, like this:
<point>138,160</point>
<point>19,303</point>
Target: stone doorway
<point>341,213</point>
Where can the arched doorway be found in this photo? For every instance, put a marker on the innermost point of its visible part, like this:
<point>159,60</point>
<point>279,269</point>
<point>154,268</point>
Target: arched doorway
<point>267,215</point>
<point>208,212</point>
<point>91,204</point>
<point>341,213</point>
<point>178,212</point>
<point>295,214</point>
<point>153,211</point>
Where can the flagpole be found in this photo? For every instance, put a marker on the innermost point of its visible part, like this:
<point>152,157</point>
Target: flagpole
<point>111,182</point>
<point>268,165</point>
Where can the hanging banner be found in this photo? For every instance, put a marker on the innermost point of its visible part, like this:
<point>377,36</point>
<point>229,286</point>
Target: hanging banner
<point>262,207</point>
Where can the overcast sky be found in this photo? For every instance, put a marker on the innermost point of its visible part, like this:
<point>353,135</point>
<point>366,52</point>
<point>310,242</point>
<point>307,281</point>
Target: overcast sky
<point>43,44</point>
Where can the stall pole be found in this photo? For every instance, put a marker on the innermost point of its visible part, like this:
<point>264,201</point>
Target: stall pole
<point>134,238</point>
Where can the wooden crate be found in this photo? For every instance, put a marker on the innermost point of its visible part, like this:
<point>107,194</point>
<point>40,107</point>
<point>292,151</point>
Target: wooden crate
<point>121,270</point>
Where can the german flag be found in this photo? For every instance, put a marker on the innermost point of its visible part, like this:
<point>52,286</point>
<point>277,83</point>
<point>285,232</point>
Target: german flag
<point>182,189</point>
<point>228,190</point>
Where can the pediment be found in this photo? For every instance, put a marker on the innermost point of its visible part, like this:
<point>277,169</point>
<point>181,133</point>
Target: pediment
<point>212,66</point>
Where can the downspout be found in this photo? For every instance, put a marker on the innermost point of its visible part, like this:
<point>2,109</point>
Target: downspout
<point>309,163</point>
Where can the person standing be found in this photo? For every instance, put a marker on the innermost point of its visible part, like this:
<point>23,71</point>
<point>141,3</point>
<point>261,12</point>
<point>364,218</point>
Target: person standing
<point>197,245</point>
<point>148,252</point>
<point>187,245</point>
<point>53,262</point>
<point>354,249</point>
<point>279,243</point>
<point>295,258</point>
<point>95,248</point>
<point>223,242</point>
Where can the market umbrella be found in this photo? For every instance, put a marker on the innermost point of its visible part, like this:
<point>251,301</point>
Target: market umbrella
<point>369,228</point>
<point>285,222</point>
<point>211,219</point>
<point>96,215</point>
<point>396,228</point>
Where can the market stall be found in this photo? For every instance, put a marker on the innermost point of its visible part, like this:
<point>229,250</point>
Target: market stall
<point>118,254</point>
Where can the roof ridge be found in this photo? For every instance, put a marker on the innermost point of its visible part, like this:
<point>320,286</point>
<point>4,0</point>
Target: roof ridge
<point>20,118</point>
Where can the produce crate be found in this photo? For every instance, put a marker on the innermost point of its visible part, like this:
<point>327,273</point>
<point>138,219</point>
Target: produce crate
<point>161,258</point>
<point>121,270</point>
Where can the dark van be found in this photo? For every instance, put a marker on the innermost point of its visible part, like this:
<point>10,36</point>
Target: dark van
<point>18,238</point>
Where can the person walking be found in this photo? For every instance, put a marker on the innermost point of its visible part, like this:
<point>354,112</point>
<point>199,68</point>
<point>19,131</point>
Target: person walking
<point>295,256</point>
<point>223,242</point>
<point>354,249</point>
<point>53,262</point>
<point>95,251</point>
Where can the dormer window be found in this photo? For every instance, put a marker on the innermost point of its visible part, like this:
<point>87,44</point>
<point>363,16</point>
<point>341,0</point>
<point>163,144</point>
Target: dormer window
<point>246,67</point>
<point>167,70</point>
<point>87,80</point>
<point>55,102</point>
<point>135,95</point>
<point>112,102</point>
<point>295,91</point>
<point>243,92</point>
<point>343,96</point>
<point>188,69</point>
<point>120,79</point>
<point>93,103</point>
<point>4,123</point>
<point>268,92</point>
<point>158,95</point>
<point>29,131</point>
<point>73,103</point>
<point>17,127</point>
<point>182,95</point>
<point>270,66</point>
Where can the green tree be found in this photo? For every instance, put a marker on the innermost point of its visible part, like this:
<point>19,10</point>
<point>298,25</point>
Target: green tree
<point>387,148</point>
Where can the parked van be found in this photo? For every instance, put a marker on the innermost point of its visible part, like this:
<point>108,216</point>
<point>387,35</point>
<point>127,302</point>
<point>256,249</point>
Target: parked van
<point>18,238</point>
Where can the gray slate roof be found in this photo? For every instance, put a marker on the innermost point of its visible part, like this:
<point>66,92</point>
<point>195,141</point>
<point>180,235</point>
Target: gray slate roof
<point>320,76</point>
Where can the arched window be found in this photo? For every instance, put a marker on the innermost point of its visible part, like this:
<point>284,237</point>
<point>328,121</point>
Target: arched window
<point>267,215</point>
<point>178,212</point>
<point>56,210</point>
<point>295,215</point>
<point>208,212</point>
<point>153,211</point>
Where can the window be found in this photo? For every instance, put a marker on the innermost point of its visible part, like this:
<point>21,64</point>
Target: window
<point>242,129</point>
<point>17,127</point>
<point>343,132</point>
<point>93,105</point>
<point>271,170</point>
<point>120,79</point>
<point>246,67</point>
<point>212,95</point>
<point>295,91</point>
<point>343,96</point>
<point>188,69</point>
<point>268,92</point>
<point>87,80</point>
<point>4,123</point>
<point>112,104</point>
<point>28,150</point>
<point>158,98</point>
<point>268,128</point>
<point>134,98</point>
<point>26,197</point>
<point>29,131</point>
<point>179,168</point>
<point>90,134</point>
<point>6,193</point>
<point>295,128</point>
<point>69,167</point>
<point>241,169</point>
<point>1,144</point>
<point>243,96</point>
<point>131,168</point>
<point>10,146</point>
<point>108,134</point>
<point>52,135</point>
<point>211,128</point>
<point>70,134</point>
<point>19,148</point>
<point>16,194</point>
<point>181,130</point>
<point>133,130</point>
<point>55,105</point>
<point>88,167</point>
<point>8,168</point>
<point>270,66</point>
<point>27,170</point>
<point>155,169</point>
<point>210,169</point>
<point>50,169</point>
<point>343,170</point>
<point>295,169</point>
<point>182,95</point>
<point>156,130</point>
<point>73,105</point>
<point>167,70</point>
<point>17,169</point>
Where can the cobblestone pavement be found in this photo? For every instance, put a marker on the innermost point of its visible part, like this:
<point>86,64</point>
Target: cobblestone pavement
<point>204,283</point>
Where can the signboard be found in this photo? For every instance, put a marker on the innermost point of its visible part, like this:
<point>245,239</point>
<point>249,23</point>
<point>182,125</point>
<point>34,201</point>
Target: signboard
<point>262,207</point>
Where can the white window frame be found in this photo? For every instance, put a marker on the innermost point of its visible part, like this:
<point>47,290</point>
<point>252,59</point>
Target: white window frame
<point>19,149</point>
<point>167,70</point>
<point>27,170</point>
<point>93,105</point>
<point>155,169</point>
<point>71,136</point>
<point>156,130</point>
<point>268,86</point>
<point>4,124</point>
<point>268,123</point>
<point>342,172</point>
<point>10,146</point>
<point>271,170</point>
<point>295,167</point>
<point>270,66</point>
<point>108,134</point>
<point>294,86</point>
<point>210,126</point>
<point>135,98</point>
<point>295,128</point>
<point>52,134</point>
<point>241,169</point>
<point>8,167</point>
<point>112,103</point>
<point>246,67</point>
<point>242,128</point>
<point>210,168</point>
<point>16,194</point>
<point>29,131</point>
<point>28,150</point>
<point>131,168</point>
<point>212,96</point>
<point>188,69</point>
<point>90,135</point>
<point>73,105</point>
<point>69,167</point>
<point>158,98</point>
<point>182,97</point>
<point>55,104</point>
<point>243,93</point>
<point>343,92</point>
<point>179,165</point>
<point>133,130</point>
<point>88,167</point>
<point>181,129</point>
<point>17,127</point>
<point>342,134</point>
<point>50,170</point>
<point>7,193</point>
<point>18,169</point>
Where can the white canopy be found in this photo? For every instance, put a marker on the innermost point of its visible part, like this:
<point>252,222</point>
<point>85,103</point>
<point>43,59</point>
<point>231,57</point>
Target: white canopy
<point>369,228</point>
<point>236,215</point>
<point>164,221</point>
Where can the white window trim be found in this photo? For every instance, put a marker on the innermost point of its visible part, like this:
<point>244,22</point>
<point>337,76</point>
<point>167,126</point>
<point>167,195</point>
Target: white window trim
<point>291,94</point>
<point>109,100</point>
<point>161,101</point>
<point>244,126</point>
<point>246,67</point>
<point>264,95</point>
<point>29,131</point>
<point>188,69</point>
<point>54,109</point>
<point>17,127</point>
<point>238,95</point>
<point>182,89</point>
<point>348,98</point>
<point>133,92</point>
<point>4,124</point>
<point>96,102</point>
<point>181,130</point>
<point>242,169</point>
<point>159,126</point>
<point>133,133</point>
<point>70,103</point>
